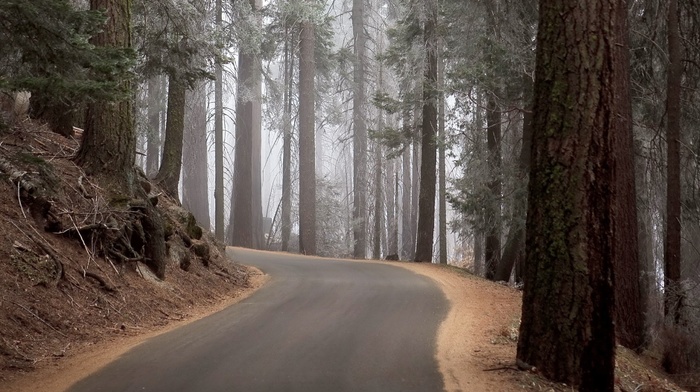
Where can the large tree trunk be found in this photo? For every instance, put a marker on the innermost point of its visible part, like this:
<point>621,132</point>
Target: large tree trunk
<point>672,245</point>
<point>247,229</point>
<point>219,141</point>
<point>108,147</point>
<point>493,211</point>
<point>170,166</point>
<point>567,329</point>
<point>426,208</point>
<point>307,165</point>
<point>629,318</point>
<point>359,103</point>
<point>195,175</point>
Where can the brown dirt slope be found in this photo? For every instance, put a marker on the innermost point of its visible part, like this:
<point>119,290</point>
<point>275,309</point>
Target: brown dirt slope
<point>59,294</point>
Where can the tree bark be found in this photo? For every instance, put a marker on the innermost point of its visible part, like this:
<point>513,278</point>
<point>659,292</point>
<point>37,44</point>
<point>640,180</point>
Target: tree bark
<point>246,207</point>
<point>406,226</point>
<point>359,103</point>
<point>629,317</point>
<point>307,165</point>
<point>567,329</point>
<point>442,197</point>
<point>155,101</point>
<point>219,141</point>
<point>672,245</point>
<point>171,164</point>
<point>426,208</point>
<point>287,145</point>
<point>108,148</point>
<point>492,251</point>
<point>195,174</point>
<point>377,232</point>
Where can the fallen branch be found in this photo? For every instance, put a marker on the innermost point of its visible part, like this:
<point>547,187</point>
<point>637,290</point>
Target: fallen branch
<point>103,284</point>
<point>40,319</point>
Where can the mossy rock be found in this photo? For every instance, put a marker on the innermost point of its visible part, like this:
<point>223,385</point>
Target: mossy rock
<point>200,248</point>
<point>192,229</point>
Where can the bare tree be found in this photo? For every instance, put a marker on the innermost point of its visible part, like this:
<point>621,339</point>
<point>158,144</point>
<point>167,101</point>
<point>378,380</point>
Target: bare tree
<point>359,103</point>
<point>195,174</point>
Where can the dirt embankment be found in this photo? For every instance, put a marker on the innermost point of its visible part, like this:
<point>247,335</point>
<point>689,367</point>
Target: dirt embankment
<point>74,274</point>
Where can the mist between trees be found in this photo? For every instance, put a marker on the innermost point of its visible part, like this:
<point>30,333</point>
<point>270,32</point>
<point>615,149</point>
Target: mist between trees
<point>408,129</point>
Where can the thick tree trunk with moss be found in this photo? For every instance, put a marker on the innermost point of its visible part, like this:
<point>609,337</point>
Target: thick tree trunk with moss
<point>108,147</point>
<point>426,199</point>
<point>567,329</point>
<point>168,176</point>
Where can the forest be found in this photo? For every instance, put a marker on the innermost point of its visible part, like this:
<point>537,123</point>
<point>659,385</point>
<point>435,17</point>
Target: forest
<point>547,144</point>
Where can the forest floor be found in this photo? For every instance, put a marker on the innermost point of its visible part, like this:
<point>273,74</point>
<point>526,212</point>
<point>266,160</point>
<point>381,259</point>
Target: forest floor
<point>65,311</point>
<point>477,341</point>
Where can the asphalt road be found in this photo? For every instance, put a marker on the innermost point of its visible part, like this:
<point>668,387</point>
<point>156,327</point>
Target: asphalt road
<point>316,326</point>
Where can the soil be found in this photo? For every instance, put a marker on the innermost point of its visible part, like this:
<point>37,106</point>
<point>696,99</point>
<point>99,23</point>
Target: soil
<point>68,302</point>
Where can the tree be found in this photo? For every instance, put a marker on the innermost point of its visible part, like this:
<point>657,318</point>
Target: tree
<point>492,249</point>
<point>359,103</point>
<point>307,156</point>
<point>171,163</point>
<point>47,51</point>
<point>287,140</point>
<point>108,147</point>
<point>567,328</point>
<point>245,209</point>
<point>426,209</point>
<point>218,137</point>
<point>672,244</point>
<point>195,174</point>
<point>153,136</point>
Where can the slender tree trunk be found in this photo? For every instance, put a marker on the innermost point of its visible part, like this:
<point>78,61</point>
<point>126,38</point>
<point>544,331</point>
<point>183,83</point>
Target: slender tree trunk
<point>377,239</point>
<point>514,251</point>
<point>195,175</point>
<point>108,147</point>
<point>287,145</point>
<point>155,101</point>
<point>493,214</point>
<point>170,166</point>
<point>442,197</point>
<point>256,153</point>
<point>392,187</point>
<point>359,104</point>
<point>307,165</point>
<point>672,245</point>
<point>406,230</point>
<point>426,208</point>
<point>567,330</point>
<point>219,141</point>
<point>646,240</point>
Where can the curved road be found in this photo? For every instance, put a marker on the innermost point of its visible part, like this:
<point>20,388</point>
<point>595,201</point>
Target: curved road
<point>317,325</point>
